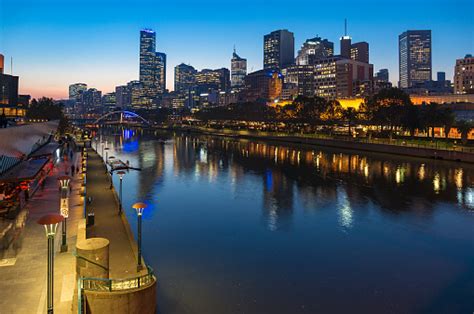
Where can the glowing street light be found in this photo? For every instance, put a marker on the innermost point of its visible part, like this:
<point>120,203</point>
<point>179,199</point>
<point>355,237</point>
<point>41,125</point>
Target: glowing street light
<point>121,174</point>
<point>64,207</point>
<point>50,223</point>
<point>139,207</point>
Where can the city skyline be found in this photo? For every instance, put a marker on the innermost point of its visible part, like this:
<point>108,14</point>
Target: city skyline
<point>102,50</point>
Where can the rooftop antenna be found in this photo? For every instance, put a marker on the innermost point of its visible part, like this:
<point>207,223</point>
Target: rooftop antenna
<point>345,27</point>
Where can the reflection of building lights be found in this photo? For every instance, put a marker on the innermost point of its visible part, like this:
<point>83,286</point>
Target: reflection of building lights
<point>436,183</point>
<point>366,170</point>
<point>421,172</point>
<point>458,178</point>
<point>345,210</point>
<point>469,198</point>
<point>400,175</point>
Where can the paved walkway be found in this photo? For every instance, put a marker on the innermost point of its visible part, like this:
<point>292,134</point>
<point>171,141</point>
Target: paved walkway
<point>108,223</point>
<point>23,284</point>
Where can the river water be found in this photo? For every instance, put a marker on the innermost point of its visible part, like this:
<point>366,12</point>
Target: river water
<point>239,226</point>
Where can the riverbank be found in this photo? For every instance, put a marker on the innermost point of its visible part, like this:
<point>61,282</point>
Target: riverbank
<point>419,151</point>
<point>125,289</point>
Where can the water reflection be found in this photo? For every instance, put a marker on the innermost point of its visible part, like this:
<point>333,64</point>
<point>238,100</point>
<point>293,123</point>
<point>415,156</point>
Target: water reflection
<point>286,172</point>
<point>221,209</point>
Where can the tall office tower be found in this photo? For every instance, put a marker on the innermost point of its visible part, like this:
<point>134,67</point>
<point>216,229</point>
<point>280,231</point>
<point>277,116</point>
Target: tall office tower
<point>76,89</point>
<point>414,51</point>
<point>382,75</point>
<point>147,62</point>
<point>123,97</point>
<point>313,49</point>
<point>464,75</point>
<point>238,71</point>
<point>184,77</point>
<point>345,43</point>
<point>278,49</point>
<point>213,80</point>
<point>91,99</point>
<point>2,63</point>
<point>109,102</point>
<point>136,90</point>
<point>160,63</point>
<point>152,67</point>
<point>360,51</point>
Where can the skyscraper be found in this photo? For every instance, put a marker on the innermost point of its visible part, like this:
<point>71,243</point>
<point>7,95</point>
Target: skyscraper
<point>184,77</point>
<point>123,97</point>
<point>360,51</point>
<point>152,67</point>
<point>464,75</point>
<point>345,42</point>
<point>147,63</point>
<point>160,64</point>
<point>414,50</point>
<point>238,71</point>
<point>278,49</point>
<point>76,89</point>
<point>213,80</point>
<point>314,48</point>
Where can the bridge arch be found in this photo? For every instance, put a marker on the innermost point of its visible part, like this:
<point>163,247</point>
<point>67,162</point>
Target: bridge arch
<point>122,112</point>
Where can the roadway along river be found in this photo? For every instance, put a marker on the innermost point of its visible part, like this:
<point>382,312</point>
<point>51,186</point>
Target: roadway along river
<point>252,227</point>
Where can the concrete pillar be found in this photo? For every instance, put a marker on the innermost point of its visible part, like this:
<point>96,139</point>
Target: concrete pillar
<point>92,258</point>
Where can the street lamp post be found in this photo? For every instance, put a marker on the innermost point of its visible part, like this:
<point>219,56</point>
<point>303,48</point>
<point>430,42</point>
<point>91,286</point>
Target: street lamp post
<point>64,208</point>
<point>110,162</point>
<point>139,207</point>
<point>50,223</point>
<point>121,174</point>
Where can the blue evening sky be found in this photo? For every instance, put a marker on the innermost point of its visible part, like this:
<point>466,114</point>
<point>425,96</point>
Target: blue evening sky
<point>57,42</point>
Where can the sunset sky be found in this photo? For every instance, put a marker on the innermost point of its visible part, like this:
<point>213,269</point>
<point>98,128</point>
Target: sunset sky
<point>56,43</point>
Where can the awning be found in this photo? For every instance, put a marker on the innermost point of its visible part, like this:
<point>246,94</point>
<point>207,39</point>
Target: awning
<point>24,171</point>
<point>46,150</point>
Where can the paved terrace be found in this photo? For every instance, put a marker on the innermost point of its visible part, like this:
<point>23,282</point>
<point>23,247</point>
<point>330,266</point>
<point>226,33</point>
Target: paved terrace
<point>108,223</point>
<point>23,273</point>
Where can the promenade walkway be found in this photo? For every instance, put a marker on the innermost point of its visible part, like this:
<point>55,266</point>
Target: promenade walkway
<point>23,280</point>
<point>108,223</point>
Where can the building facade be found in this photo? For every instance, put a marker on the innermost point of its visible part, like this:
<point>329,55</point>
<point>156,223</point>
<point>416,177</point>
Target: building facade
<point>464,75</point>
<point>360,52</point>
<point>2,63</point>
<point>123,97</point>
<point>263,86</point>
<point>238,68</point>
<point>184,77</point>
<point>160,65</point>
<point>278,49</point>
<point>76,89</point>
<point>414,50</point>
<point>212,80</point>
<point>382,75</point>
<point>313,49</point>
<point>300,77</point>
<point>152,68</point>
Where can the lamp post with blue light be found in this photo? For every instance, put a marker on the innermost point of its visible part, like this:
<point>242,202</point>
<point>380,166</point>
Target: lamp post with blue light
<point>139,207</point>
<point>121,174</point>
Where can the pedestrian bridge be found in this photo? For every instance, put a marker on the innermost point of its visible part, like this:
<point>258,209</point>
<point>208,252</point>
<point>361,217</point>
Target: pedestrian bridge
<point>122,117</point>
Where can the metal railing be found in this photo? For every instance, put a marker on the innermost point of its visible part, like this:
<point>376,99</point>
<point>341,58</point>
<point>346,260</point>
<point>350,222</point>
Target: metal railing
<point>417,142</point>
<point>111,285</point>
